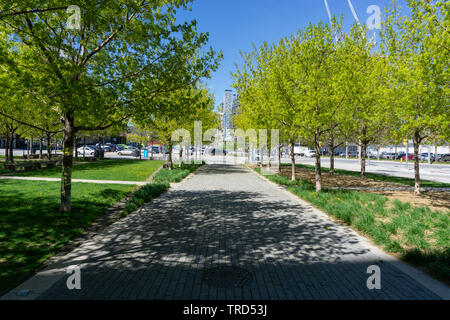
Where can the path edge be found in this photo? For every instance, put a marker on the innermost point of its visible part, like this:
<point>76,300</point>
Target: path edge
<point>427,281</point>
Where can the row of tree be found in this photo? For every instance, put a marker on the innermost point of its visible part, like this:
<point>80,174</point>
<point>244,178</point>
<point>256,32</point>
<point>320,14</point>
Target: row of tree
<point>128,60</point>
<point>324,85</point>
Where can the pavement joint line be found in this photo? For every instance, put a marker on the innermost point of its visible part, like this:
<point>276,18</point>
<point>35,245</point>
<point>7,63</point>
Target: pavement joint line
<point>139,183</point>
<point>428,282</point>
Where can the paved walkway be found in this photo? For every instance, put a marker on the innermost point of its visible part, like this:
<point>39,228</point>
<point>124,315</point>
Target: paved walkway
<point>138,183</point>
<point>228,215</point>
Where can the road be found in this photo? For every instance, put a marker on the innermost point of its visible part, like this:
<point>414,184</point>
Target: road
<point>228,216</point>
<point>432,172</point>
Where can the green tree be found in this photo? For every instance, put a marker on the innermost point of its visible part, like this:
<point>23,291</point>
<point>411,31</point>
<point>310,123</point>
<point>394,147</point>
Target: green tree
<point>417,47</point>
<point>125,52</point>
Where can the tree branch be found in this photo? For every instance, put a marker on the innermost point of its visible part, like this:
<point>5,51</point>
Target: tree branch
<point>29,124</point>
<point>31,11</point>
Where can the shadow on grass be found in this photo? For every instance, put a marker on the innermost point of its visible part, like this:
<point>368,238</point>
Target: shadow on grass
<point>97,169</point>
<point>33,228</point>
<point>364,210</point>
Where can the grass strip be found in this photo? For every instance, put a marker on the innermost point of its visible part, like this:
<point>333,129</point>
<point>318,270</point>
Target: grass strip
<point>106,169</point>
<point>33,229</point>
<point>160,183</point>
<point>415,234</point>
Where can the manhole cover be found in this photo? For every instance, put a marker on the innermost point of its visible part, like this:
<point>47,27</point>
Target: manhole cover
<point>227,277</point>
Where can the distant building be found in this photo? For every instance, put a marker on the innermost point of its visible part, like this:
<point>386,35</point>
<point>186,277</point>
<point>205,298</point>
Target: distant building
<point>230,106</point>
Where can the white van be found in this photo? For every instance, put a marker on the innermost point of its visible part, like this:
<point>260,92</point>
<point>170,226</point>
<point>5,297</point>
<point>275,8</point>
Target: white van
<point>311,153</point>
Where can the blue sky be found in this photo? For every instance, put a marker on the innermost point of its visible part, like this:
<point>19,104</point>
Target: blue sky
<point>234,24</point>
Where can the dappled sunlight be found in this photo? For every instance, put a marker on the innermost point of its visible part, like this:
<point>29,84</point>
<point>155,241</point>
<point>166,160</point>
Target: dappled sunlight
<point>182,233</point>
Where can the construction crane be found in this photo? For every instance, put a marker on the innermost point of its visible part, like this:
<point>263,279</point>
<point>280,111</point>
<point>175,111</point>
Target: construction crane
<point>352,9</point>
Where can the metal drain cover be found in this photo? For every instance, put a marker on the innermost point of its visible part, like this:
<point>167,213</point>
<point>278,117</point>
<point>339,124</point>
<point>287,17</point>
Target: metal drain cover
<point>227,277</point>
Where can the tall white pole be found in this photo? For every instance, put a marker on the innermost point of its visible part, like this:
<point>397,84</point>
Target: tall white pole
<point>353,12</point>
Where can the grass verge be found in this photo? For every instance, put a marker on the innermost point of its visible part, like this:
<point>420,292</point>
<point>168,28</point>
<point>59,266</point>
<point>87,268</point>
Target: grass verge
<point>33,229</point>
<point>106,169</point>
<point>160,183</point>
<point>415,234</point>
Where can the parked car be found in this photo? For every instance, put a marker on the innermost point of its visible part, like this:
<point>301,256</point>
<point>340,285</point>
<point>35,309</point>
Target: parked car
<point>424,157</point>
<point>445,158</point>
<point>129,152</point>
<point>213,151</point>
<point>388,155</point>
<point>156,150</point>
<point>310,153</point>
<point>410,157</point>
<point>87,150</point>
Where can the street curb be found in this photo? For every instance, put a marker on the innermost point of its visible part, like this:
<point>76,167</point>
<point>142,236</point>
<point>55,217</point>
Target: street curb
<point>428,282</point>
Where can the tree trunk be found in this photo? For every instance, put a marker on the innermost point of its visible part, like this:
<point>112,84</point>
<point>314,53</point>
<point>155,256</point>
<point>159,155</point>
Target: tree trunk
<point>170,157</point>
<point>7,148</point>
<point>188,153</point>
<point>346,150</point>
<point>279,158</point>
<point>435,152</point>
<point>49,146</point>
<point>41,143</point>
<point>260,158</point>
<point>292,162</point>
<point>416,164</point>
<point>84,147</point>
<point>75,145</point>
<point>363,159</point>
<point>11,148</point>
<point>151,151</point>
<point>318,169</point>
<point>180,161</point>
<point>332,155</point>
<point>66,177</point>
<point>29,148</point>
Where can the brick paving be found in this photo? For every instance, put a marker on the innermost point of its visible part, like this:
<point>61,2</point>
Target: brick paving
<point>227,215</point>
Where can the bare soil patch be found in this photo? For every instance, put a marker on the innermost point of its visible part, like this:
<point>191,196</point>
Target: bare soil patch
<point>435,200</point>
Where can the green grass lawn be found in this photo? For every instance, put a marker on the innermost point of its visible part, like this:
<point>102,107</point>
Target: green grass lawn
<point>377,177</point>
<point>107,169</point>
<point>417,234</point>
<point>32,228</point>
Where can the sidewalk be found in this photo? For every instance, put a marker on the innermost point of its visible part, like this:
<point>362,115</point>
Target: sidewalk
<point>229,216</point>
